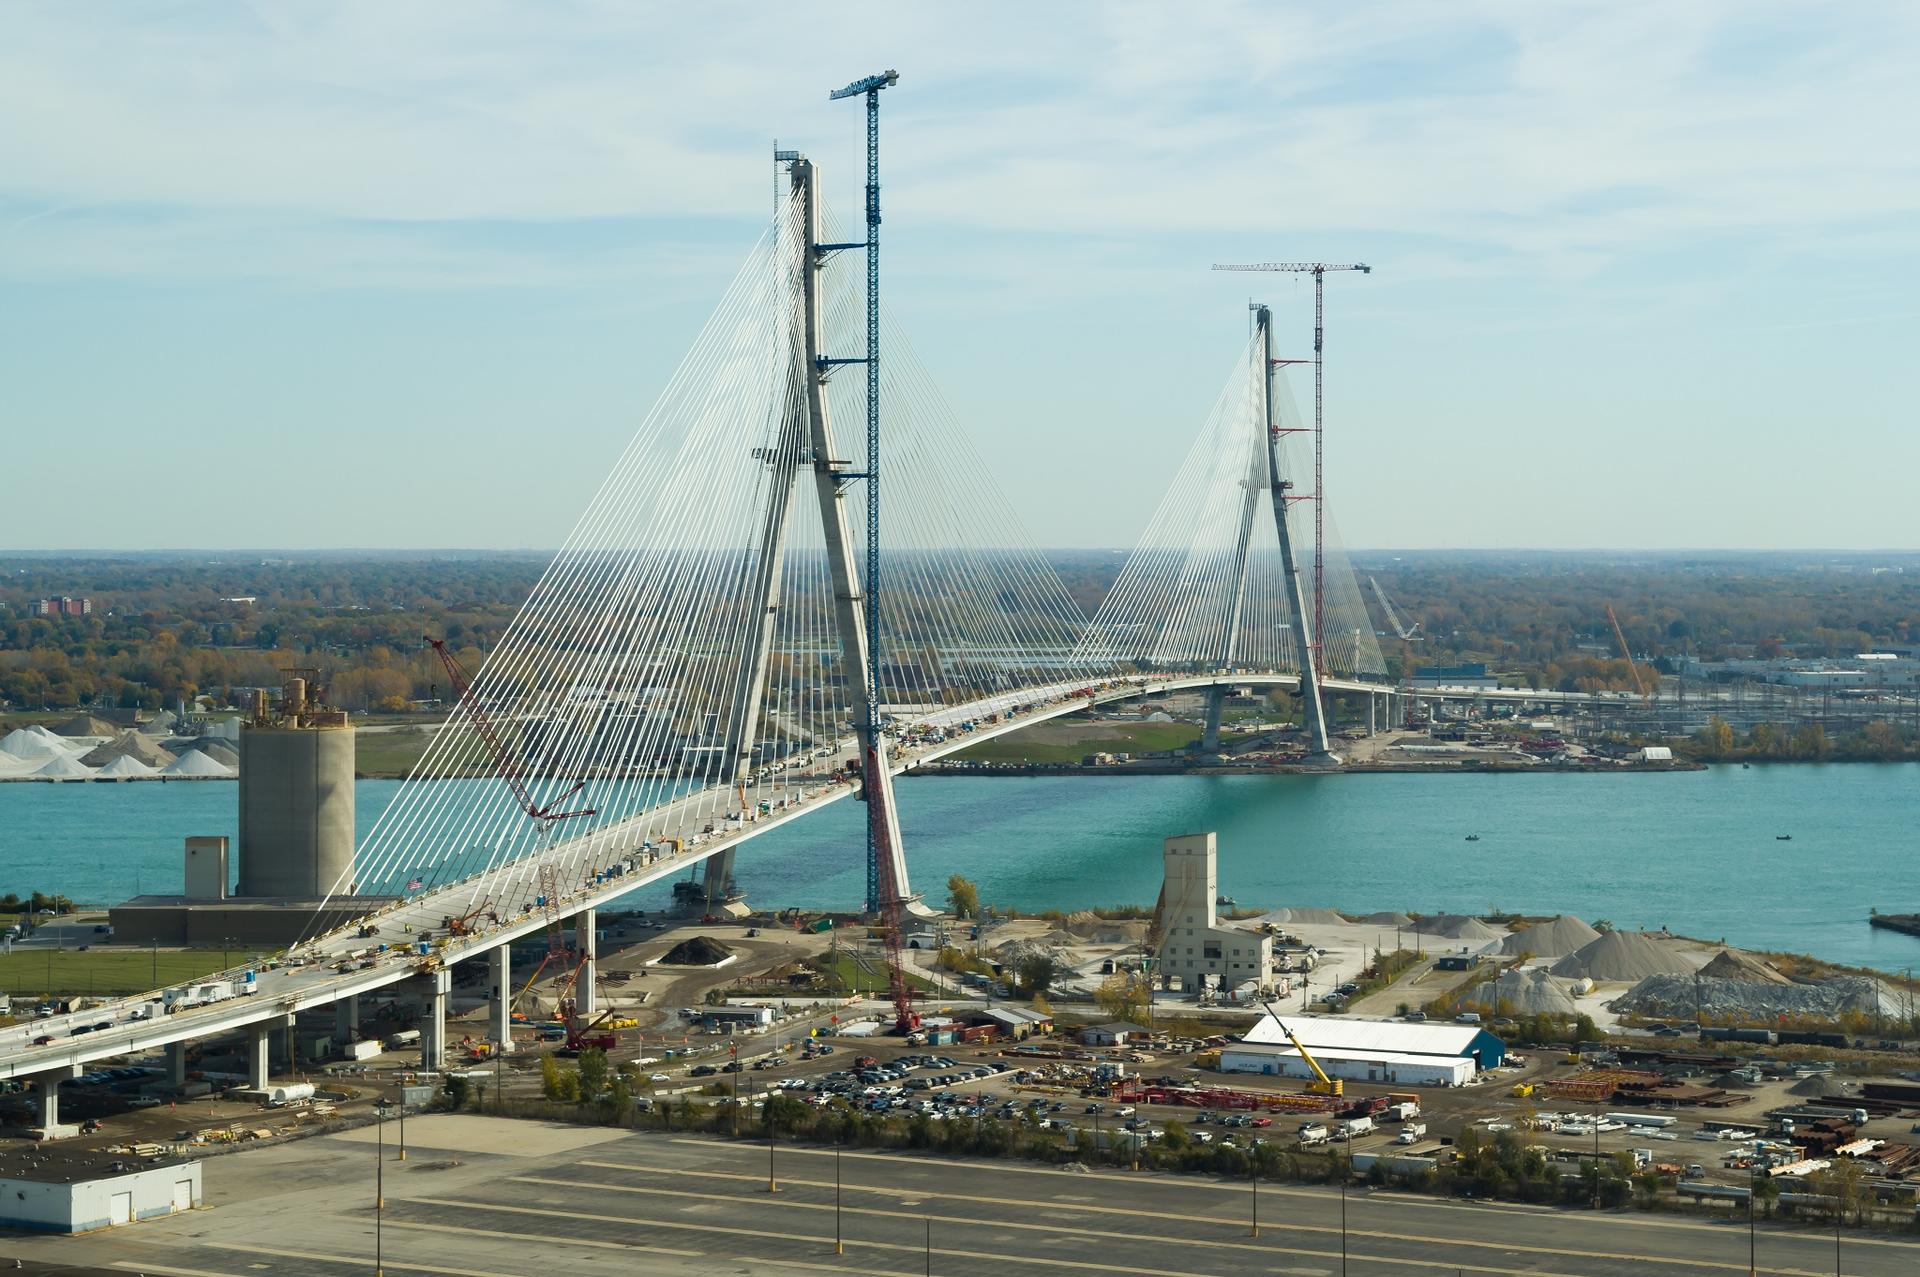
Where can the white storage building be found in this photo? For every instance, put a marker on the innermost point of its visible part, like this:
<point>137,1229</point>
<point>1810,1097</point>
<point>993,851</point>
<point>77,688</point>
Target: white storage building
<point>1389,1051</point>
<point>80,1206</point>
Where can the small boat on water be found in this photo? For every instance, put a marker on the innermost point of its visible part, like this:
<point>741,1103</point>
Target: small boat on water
<point>1228,901</point>
<point>1473,837</point>
<point>1783,837</point>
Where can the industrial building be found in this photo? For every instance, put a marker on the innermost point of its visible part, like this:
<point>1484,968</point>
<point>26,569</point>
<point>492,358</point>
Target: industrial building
<point>296,871</point>
<point>83,1205</point>
<point>1194,948</point>
<point>1386,1051</point>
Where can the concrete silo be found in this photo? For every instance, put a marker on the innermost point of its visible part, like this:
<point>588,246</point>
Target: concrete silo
<point>296,799</point>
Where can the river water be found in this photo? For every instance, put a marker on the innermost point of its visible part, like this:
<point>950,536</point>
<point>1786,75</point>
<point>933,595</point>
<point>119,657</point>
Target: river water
<point>1694,851</point>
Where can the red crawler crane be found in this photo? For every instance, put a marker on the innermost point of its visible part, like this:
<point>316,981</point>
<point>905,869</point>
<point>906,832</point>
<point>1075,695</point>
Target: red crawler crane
<point>511,768</point>
<point>904,1018</point>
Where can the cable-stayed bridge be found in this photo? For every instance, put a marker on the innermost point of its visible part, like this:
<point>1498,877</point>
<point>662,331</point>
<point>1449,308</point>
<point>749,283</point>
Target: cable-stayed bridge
<point>694,666</point>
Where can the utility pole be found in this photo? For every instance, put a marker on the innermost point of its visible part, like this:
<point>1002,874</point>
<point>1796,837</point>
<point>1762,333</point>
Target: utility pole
<point>1319,272</point>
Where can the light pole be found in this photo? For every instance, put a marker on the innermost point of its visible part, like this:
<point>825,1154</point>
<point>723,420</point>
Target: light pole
<point>1751,1241</point>
<point>929,1220</point>
<point>839,1246</point>
<point>1255,1230</point>
<point>379,1181</point>
<point>1346,1173</point>
<point>773,1185</point>
<point>403,1122</point>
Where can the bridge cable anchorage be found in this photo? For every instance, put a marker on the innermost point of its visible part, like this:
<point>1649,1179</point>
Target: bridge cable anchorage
<point>1319,272</point>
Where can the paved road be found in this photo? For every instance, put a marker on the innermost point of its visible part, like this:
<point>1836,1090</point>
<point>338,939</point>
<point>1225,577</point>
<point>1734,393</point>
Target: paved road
<point>487,1197</point>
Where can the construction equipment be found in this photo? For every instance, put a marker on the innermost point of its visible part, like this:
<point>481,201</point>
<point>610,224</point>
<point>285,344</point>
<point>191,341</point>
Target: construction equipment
<point>1321,1084</point>
<point>1408,637</point>
<point>588,1035</point>
<point>1626,654</point>
<point>512,769</point>
<point>463,924</point>
<point>1319,272</point>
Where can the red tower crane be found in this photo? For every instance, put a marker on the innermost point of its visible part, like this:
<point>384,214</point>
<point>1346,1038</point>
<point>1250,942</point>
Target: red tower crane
<point>511,769</point>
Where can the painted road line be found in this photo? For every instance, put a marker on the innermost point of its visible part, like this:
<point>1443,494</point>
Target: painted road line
<point>1033,1260</point>
<point>1501,1244</point>
<point>556,1239</point>
<point>357,1260</point>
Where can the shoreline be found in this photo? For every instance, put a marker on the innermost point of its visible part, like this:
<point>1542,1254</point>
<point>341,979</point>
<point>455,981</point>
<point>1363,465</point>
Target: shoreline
<point>1290,769</point>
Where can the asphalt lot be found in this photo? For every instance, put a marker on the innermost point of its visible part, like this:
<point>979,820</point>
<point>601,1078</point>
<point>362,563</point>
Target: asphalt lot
<point>484,1196</point>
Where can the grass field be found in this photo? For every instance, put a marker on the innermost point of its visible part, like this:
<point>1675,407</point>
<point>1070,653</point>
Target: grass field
<point>1071,742</point>
<point>28,973</point>
<point>389,753</point>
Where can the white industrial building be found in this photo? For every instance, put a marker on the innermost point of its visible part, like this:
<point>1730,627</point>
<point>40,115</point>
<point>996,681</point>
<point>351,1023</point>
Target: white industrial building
<point>1387,1051</point>
<point>1194,948</point>
<point>81,1206</point>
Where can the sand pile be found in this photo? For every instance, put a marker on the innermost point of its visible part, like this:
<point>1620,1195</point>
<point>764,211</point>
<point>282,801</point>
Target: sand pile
<point>1732,964</point>
<point>1308,917</point>
<point>1387,919</point>
<point>1563,935</point>
<point>129,744</point>
<point>1457,926</point>
<point>65,767</point>
<point>697,951</point>
<point>85,725</point>
<point>24,742</point>
<point>1529,992</point>
<point>126,767</point>
<point>1621,956</point>
<point>194,765</point>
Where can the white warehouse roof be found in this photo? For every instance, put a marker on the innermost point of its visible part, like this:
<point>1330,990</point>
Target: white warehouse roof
<point>1374,1037</point>
<point>1327,1055</point>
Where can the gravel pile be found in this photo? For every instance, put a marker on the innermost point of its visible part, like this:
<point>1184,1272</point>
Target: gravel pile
<point>1387,919</point>
<point>1732,964</point>
<point>1623,956</point>
<point>1457,926</point>
<point>1529,992</point>
<point>1308,917</point>
<point>1678,996</point>
<point>1561,936</point>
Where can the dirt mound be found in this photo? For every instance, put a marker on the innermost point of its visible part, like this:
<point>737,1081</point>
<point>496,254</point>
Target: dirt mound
<point>1561,936</point>
<point>86,725</point>
<point>697,951</point>
<point>1386,919</point>
<point>1732,964</point>
<point>1531,992</point>
<point>1621,956</point>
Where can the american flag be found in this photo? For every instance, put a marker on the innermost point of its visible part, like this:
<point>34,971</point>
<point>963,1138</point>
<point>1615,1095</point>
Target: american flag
<point>414,884</point>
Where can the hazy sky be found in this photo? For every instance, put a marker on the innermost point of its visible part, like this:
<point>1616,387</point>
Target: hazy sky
<point>379,274</point>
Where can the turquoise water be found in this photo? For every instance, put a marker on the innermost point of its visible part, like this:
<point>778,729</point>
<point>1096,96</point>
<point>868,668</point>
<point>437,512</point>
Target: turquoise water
<point>1693,851</point>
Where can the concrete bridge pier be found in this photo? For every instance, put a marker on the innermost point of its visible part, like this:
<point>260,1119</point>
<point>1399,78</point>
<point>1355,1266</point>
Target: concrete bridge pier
<point>346,1018</point>
<point>718,877</point>
<point>46,1101</point>
<point>176,1065</point>
<point>433,1019</point>
<point>586,998</point>
<point>500,1007</point>
<point>259,1056</point>
<point>1373,719</point>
